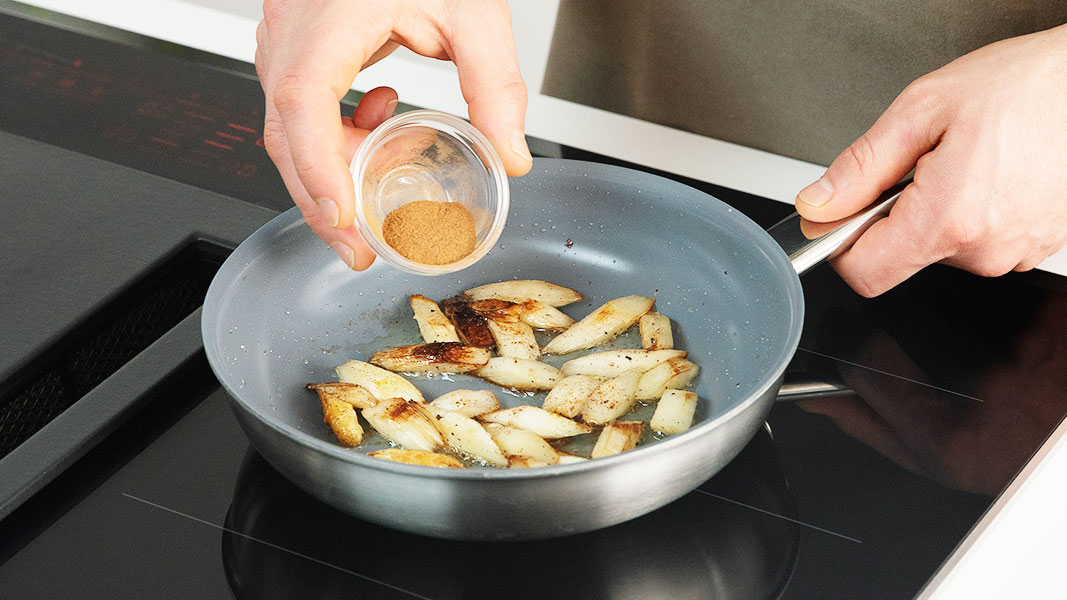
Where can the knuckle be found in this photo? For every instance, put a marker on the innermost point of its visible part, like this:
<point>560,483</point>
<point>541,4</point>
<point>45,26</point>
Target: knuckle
<point>866,288</point>
<point>964,234</point>
<point>861,279</point>
<point>274,138</point>
<point>860,154</point>
<point>289,94</point>
<point>261,32</point>
<point>993,266</point>
<point>515,90</point>
<point>920,95</point>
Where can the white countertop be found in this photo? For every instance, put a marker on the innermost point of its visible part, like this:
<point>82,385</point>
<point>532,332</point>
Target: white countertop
<point>1019,548</point>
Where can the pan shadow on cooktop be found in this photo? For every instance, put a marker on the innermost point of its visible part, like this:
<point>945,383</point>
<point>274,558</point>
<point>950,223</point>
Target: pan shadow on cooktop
<point>280,542</point>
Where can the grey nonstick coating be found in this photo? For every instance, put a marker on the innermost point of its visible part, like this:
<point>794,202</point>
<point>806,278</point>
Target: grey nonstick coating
<point>283,311</point>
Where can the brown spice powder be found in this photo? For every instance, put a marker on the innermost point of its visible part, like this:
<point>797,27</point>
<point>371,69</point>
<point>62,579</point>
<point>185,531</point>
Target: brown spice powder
<point>431,233</point>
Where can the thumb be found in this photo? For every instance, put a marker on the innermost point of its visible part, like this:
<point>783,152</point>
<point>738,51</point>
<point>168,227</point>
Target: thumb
<point>909,128</point>
<point>484,52</point>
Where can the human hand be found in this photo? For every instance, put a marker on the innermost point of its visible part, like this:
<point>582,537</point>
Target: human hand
<point>987,137</point>
<point>309,52</point>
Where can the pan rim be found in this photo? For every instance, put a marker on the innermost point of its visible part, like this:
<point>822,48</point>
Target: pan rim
<point>231,272</point>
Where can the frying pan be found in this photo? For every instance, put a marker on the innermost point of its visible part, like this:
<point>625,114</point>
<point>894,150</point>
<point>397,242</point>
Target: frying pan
<point>283,312</point>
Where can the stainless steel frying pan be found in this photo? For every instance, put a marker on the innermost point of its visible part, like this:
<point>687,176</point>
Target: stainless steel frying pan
<point>283,311</point>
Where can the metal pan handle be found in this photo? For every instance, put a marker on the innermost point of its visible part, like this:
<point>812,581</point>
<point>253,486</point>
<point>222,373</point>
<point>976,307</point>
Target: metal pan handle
<point>792,391</point>
<point>808,243</point>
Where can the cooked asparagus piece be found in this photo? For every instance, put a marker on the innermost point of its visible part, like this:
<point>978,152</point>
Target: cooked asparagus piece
<point>521,442</point>
<point>612,399</point>
<point>675,373</point>
<point>519,373</point>
<point>618,437</point>
<point>438,357</point>
<point>524,462</point>
<point>515,340</point>
<point>655,331</point>
<point>471,326</point>
<point>418,457</point>
<point>570,459</point>
<point>380,383</point>
<point>539,315</point>
<point>520,290</point>
<point>434,326</point>
<point>405,423</point>
<point>615,362</point>
<point>543,423</point>
<point>467,402</point>
<point>342,419</point>
<point>570,395</point>
<point>469,437</point>
<point>498,310</point>
<point>601,325</point>
<point>674,413</point>
<point>356,395</point>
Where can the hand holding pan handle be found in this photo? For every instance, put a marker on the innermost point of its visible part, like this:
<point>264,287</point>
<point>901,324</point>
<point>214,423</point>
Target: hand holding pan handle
<point>808,243</point>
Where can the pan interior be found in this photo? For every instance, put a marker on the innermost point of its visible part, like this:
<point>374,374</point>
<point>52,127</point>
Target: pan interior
<point>283,311</point>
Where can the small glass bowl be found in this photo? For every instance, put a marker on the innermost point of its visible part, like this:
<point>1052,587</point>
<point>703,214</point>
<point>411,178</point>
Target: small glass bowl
<point>429,155</point>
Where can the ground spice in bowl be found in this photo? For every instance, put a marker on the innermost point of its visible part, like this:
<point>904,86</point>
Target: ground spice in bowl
<point>431,233</point>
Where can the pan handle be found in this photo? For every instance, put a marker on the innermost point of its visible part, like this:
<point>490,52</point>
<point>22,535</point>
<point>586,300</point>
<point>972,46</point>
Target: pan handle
<point>792,391</point>
<point>808,243</point>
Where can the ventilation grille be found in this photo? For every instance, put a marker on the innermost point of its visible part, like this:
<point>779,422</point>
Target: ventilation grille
<point>107,341</point>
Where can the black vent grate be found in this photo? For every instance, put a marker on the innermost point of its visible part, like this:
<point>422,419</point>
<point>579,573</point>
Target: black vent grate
<point>109,340</point>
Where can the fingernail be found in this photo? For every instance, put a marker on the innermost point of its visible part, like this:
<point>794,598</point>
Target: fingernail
<point>345,252</point>
<point>816,194</point>
<point>390,107</point>
<point>329,210</point>
<point>519,147</point>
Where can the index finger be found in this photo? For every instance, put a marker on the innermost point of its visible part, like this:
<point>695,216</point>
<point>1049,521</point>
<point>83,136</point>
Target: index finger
<point>313,76</point>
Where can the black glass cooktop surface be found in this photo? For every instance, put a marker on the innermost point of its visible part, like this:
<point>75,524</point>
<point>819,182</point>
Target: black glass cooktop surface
<point>957,381</point>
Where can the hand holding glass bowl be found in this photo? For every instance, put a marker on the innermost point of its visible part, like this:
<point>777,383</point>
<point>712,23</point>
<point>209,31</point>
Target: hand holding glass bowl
<point>426,155</point>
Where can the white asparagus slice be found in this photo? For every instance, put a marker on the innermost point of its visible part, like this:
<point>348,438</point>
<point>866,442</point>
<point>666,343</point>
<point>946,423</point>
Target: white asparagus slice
<point>570,459</point>
<point>655,331</point>
<point>469,324</point>
<point>497,310</point>
<point>469,437</point>
<point>342,419</point>
<point>519,373</point>
<point>438,357</point>
<point>539,315</point>
<point>618,437</point>
<point>356,395</point>
<point>434,326</point>
<point>674,413</point>
<point>521,290</point>
<point>380,383</point>
<point>521,442</point>
<point>612,399</point>
<point>601,325</point>
<point>543,423</point>
<point>467,402</point>
<point>514,339</point>
<point>405,423</point>
<point>524,462</point>
<point>683,378</point>
<point>611,363</point>
<point>570,395</point>
<point>418,457</point>
<point>675,373</point>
